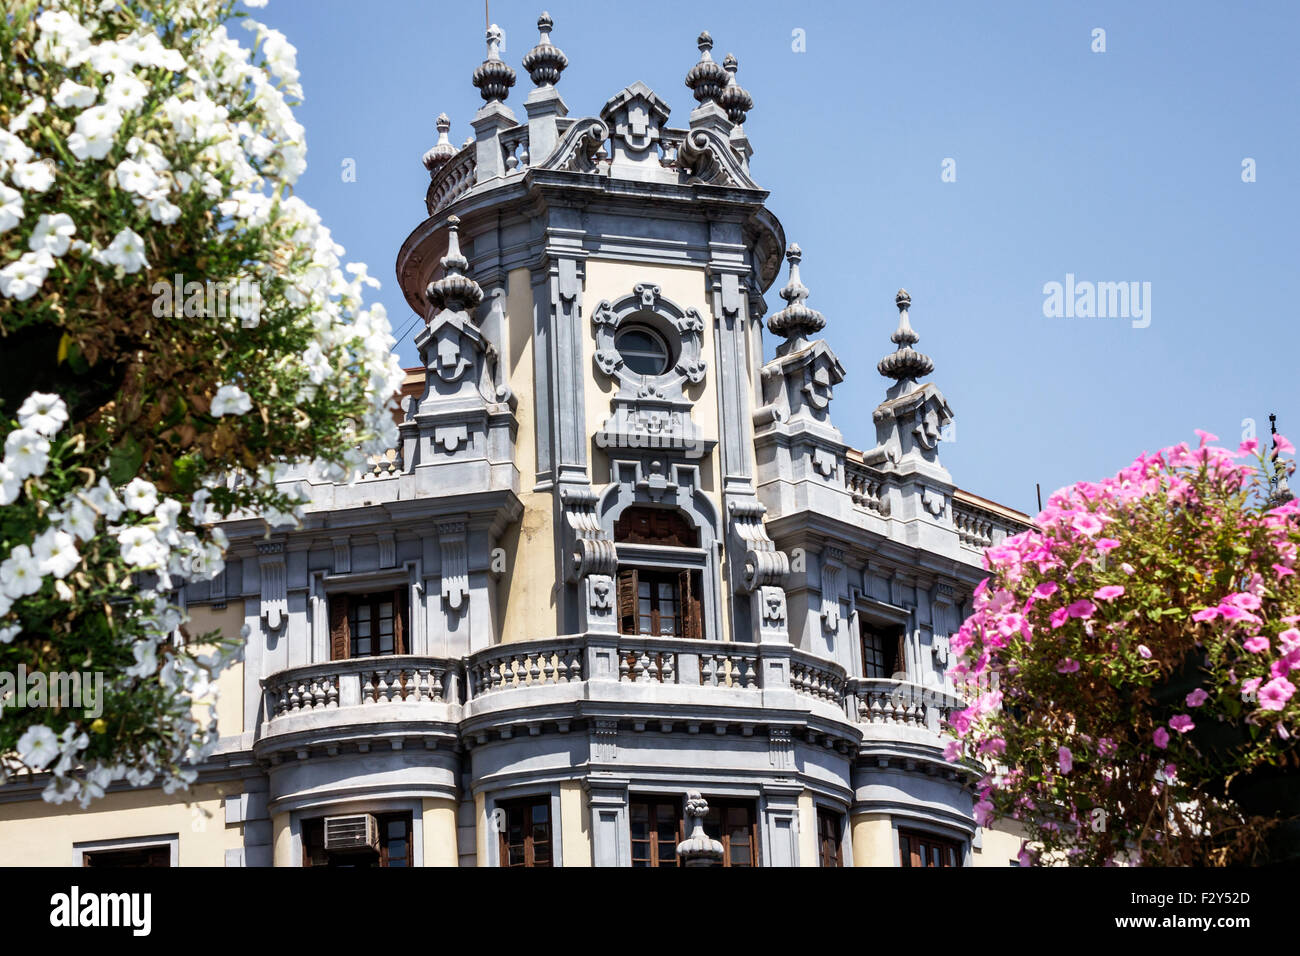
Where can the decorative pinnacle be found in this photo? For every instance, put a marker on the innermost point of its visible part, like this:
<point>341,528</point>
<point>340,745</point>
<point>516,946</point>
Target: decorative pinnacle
<point>796,321</point>
<point>494,77</point>
<point>698,849</point>
<point>706,79</point>
<point>442,150</point>
<point>454,290</point>
<point>545,62</point>
<point>905,363</point>
<point>734,98</point>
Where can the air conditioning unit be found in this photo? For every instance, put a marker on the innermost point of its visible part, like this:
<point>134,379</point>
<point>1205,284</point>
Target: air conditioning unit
<point>354,833</point>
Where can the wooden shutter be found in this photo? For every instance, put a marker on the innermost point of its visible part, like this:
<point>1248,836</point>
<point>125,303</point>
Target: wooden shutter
<point>690,604</point>
<point>400,620</point>
<point>627,600</point>
<point>340,631</point>
<point>900,654</point>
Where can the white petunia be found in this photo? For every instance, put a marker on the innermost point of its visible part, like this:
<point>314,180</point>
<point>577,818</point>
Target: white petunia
<point>27,452</point>
<point>78,519</point>
<point>38,746</point>
<point>53,233</point>
<point>43,412</point>
<point>55,553</point>
<point>63,39</point>
<point>126,250</point>
<point>112,58</point>
<point>7,634</point>
<point>9,485</point>
<point>231,400</point>
<point>22,278</point>
<point>94,130</point>
<point>146,660</point>
<point>160,210</point>
<point>136,177</point>
<point>140,547</point>
<point>71,93</point>
<point>20,575</point>
<point>11,208</point>
<point>140,496</point>
<point>37,177</point>
<point>103,500</point>
<point>35,107</point>
<point>13,149</point>
<point>125,92</point>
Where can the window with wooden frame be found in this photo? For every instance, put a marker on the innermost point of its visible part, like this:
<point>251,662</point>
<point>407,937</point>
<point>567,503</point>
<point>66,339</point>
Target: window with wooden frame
<point>525,838</point>
<point>131,857</point>
<point>655,826</point>
<point>657,603</point>
<point>394,844</point>
<point>369,625</point>
<point>734,824</point>
<point>924,849</point>
<point>830,850</point>
<point>883,655</point>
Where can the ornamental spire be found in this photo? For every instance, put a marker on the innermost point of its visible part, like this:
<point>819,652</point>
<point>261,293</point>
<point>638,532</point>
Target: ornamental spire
<point>796,321</point>
<point>706,78</point>
<point>905,364</point>
<point>442,150</point>
<point>545,62</point>
<point>494,77</point>
<point>734,98</point>
<point>454,290</point>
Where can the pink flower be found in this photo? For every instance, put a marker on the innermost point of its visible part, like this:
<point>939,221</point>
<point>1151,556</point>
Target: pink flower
<point>996,746</point>
<point>1197,697</point>
<point>952,752</point>
<point>1106,747</point>
<point>1087,524</point>
<point>1082,608</point>
<point>1171,771</point>
<point>1290,638</point>
<point>1182,723</point>
<point>1046,589</point>
<point>1065,759</point>
<point>1109,592</point>
<point>1282,570</point>
<point>1206,437</point>
<point>1248,446</point>
<point>1257,644</point>
<point>1207,614</point>
<point>1249,687</point>
<point>1026,856</point>
<point>1106,544</point>
<point>1161,738</point>
<point>1283,446</point>
<point>1275,694</point>
<point>1144,652</point>
<point>1067,666</point>
<point>1128,569</point>
<point>983,813</point>
<point>1059,617</point>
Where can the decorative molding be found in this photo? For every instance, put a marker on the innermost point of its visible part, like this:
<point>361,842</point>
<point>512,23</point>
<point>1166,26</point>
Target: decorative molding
<point>387,550</point>
<point>274,590</point>
<point>455,565</point>
<point>342,554</point>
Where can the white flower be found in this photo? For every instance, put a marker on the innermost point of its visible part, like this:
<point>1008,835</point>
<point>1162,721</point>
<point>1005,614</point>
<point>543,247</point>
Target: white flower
<point>11,208</point>
<point>42,412</point>
<point>136,177</point>
<point>9,485</point>
<point>13,149</point>
<point>160,210</point>
<point>231,400</point>
<point>24,276</point>
<point>140,547</point>
<point>146,660</point>
<point>126,250</point>
<point>7,634</point>
<point>38,746</point>
<point>55,553</point>
<point>19,573</point>
<point>125,92</point>
<point>63,40</point>
<point>110,57</point>
<point>78,519</point>
<point>71,93</point>
<point>52,234</point>
<point>140,496</point>
<point>27,452</point>
<point>37,177</point>
<point>94,132</point>
<point>103,500</point>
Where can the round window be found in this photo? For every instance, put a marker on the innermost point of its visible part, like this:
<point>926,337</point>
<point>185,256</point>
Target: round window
<point>643,351</point>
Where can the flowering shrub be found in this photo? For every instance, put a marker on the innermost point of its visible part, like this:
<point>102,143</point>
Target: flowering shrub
<point>1130,659</point>
<point>146,155</point>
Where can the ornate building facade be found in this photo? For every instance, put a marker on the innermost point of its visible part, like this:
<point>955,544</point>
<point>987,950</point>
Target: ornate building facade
<point>617,558</point>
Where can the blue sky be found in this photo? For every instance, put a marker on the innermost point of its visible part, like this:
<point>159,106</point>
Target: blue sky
<point>1117,166</point>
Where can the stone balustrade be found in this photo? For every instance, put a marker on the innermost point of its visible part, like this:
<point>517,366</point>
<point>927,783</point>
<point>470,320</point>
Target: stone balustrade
<point>883,702</point>
<point>453,180</point>
<point>361,682</point>
<point>980,527</point>
<point>867,488</point>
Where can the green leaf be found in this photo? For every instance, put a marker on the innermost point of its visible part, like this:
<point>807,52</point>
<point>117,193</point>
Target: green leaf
<point>124,461</point>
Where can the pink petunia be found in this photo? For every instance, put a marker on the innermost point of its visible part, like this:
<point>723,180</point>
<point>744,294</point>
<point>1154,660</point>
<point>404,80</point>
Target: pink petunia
<point>1046,589</point>
<point>1281,570</point>
<point>1275,694</point>
<point>1206,437</point>
<point>1144,652</point>
<point>1248,447</point>
<point>1290,639</point>
<point>1067,666</point>
<point>1161,738</point>
<point>1257,644</point>
<point>952,752</point>
<point>1171,771</point>
<point>1109,592</point>
<point>1197,697</point>
<point>1083,608</point>
<point>1059,617</point>
<point>1087,524</point>
<point>1106,544</point>
<point>1182,723</point>
<point>1206,614</point>
<point>1249,687</point>
<point>1065,759</point>
<point>1283,446</point>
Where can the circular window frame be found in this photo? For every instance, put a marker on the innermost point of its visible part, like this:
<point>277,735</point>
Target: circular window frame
<point>638,324</point>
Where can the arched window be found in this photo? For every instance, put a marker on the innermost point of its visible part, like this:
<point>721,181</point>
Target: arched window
<point>658,600</point>
<point>661,526</point>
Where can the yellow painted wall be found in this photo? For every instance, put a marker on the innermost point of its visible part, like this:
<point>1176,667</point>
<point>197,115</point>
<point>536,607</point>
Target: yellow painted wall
<point>574,832</point>
<point>230,685</point>
<point>808,855</point>
<point>282,841</point>
<point>36,833</point>
<point>481,827</point>
<point>873,840</point>
<point>1000,845</point>
<point>440,833</point>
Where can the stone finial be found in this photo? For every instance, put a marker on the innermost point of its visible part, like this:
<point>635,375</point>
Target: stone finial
<point>734,98</point>
<point>493,76</point>
<point>441,151</point>
<point>905,363</point>
<point>454,290</point>
<point>698,849</point>
<point>796,321</point>
<point>706,79</point>
<point>545,62</point>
